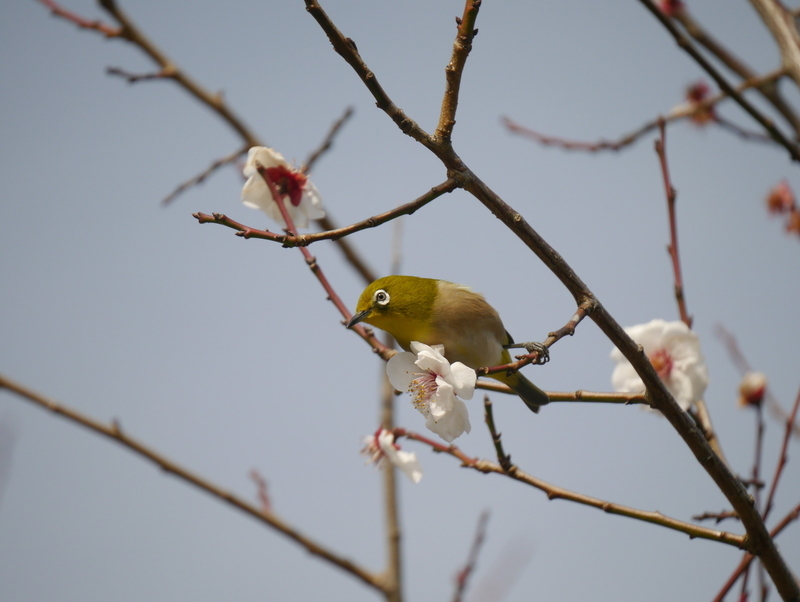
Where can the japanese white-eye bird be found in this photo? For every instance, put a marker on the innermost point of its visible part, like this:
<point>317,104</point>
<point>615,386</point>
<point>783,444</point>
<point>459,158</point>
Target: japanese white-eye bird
<point>437,312</point>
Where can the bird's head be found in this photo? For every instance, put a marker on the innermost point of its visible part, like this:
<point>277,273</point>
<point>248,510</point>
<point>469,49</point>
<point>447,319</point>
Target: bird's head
<point>397,304</point>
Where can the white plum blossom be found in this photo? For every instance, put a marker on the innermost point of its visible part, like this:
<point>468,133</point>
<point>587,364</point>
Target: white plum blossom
<point>674,351</point>
<point>435,387</point>
<point>381,446</point>
<point>299,195</point>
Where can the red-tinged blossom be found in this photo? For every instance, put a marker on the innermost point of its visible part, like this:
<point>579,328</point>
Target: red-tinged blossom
<point>671,7</point>
<point>781,199</point>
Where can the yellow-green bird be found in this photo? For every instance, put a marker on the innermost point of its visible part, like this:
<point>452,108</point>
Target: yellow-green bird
<point>437,312</point>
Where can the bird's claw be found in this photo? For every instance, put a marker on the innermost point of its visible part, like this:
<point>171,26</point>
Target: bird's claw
<point>532,347</point>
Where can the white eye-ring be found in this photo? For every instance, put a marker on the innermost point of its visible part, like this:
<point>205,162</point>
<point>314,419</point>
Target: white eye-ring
<point>381,297</point>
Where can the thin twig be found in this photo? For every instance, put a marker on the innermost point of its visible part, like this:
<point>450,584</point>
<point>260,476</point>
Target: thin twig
<point>465,573</point>
<point>783,458</point>
<point>554,492</point>
<point>584,309</point>
<point>132,78</point>
<point>684,111</point>
<point>327,143</point>
<point>672,248</point>
<point>312,264</point>
<point>131,33</point>
<point>116,434</point>
<point>592,147</point>
<point>394,553</point>
<point>200,178</point>
<point>741,132</point>
<point>215,102</point>
<point>756,477</point>
<point>352,256</point>
<point>793,515</point>
<point>718,517</point>
<point>57,11</point>
<point>261,490</point>
<point>291,239</point>
<point>502,458</point>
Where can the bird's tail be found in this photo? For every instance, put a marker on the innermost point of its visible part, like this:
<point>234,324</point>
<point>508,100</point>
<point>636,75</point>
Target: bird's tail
<point>532,395</point>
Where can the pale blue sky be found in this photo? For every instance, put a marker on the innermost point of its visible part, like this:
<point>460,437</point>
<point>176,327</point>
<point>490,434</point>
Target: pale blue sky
<point>223,353</point>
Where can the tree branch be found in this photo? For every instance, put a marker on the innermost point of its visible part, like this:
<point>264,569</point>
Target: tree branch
<point>303,240</point>
<point>554,492</point>
<point>115,433</point>
<point>685,44</point>
<point>758,539</point>
<point>455,69</point>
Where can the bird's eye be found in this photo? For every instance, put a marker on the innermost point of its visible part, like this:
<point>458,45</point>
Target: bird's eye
<point>381,297</point>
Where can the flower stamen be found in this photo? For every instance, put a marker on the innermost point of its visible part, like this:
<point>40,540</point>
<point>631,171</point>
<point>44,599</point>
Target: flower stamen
<point>662,362</point>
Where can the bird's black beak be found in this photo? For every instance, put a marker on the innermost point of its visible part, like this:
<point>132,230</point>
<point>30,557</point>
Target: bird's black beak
<point>358,318</point>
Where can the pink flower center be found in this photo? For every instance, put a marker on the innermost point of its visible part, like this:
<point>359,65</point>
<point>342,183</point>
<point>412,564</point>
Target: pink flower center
<point>288,182</point>
<point>662,362</point>
<point>422,389</point>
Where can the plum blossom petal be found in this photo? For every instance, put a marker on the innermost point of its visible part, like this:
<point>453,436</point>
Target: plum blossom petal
<point>381,446</point>
<point>674,351</point>
<point>436,387</point>
<point>299,195</point>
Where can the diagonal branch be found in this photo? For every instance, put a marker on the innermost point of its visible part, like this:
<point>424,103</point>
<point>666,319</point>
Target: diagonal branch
<point>346,48</point>
<point>328,142</point>
<point>758,539</point>
<point>130,32</point>
<point>58,11</point>
<point>792,516</point>
<point>768,88</point>
<point>472,559</point>
<point>200,178</point>
<point>554,493</point>
<point>687,45</point>
<point>115,433</point>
